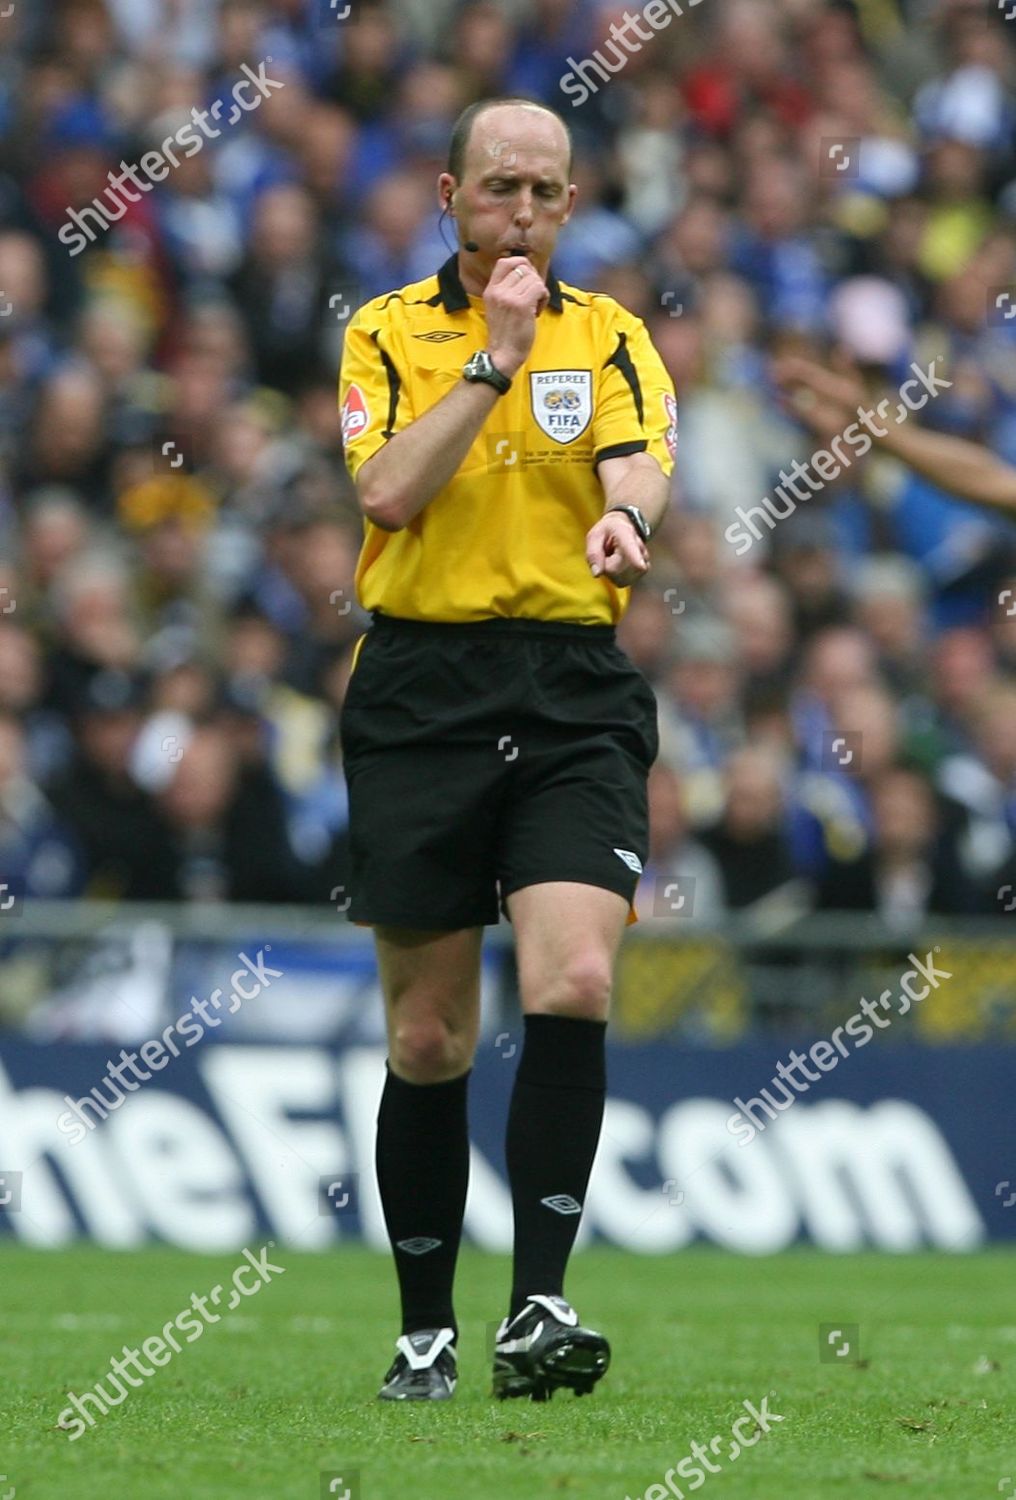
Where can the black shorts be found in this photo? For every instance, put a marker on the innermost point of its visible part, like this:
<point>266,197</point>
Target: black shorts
<point>485,757</point>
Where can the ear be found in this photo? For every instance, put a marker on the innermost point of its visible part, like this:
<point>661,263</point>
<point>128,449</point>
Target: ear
<point>573,193</point>
<point>446,188</point>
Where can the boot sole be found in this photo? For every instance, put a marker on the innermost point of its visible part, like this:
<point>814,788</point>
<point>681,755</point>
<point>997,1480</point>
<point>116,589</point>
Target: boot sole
<point>575,1364</point>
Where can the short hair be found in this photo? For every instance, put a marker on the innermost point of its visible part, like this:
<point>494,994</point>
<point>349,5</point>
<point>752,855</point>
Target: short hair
<point>463,127</point>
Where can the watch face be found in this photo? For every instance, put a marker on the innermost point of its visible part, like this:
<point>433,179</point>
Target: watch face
<point>482,368</point>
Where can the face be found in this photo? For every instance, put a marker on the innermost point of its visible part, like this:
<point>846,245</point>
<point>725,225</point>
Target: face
<point>754,797</point>
<point>697,551</point>
<point>904,814</point>
<point>810,573</point>
<point>839,660</point>
<point>202,789</point>
<point>255,647</point>
<point>108,738</point>
<point>515,190</point>
<point>962,666</point>
<point>325,558</point>
<point>22,273</point>
<point>763,627</point>
<point>171,550</point>
<point>893,621</point>
<point>188,689</point>
<point>705,689</point>
<point>68,429</point>
<point>284,227</point>
<point>870,714</point>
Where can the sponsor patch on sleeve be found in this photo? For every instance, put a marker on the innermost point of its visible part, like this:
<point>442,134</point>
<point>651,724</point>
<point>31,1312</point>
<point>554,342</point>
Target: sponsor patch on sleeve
<point>670,437</point>
<point>355,414</point>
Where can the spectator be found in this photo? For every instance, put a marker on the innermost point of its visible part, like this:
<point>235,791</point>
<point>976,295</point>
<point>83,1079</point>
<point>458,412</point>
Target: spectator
<point>909,871</point>
<point>703,723</point>
<point>322,565</point>
<point>283,286</point>
<point>888,595</point>
<point>776,251</point>
<point>93,631</point>
<point>597,237</point>
<point>55,532</point>
<point>121,843</point>
<point>24,280</point>
<point>172,492</point>
<point>66,441</point>
<point>677,860</point>
<point>749,70</point>
<point>47,743</point>
<point>168,517</point>
<point>749,841</point>
<point>759,610</point>
<point>984,784</point>
<point>366,75</point>
<point>36,856</point>
<point>482,50</point>
<point>385,250</point>
<point>806,561</point>
<point>962,672</point>
<point>647,632</point>
<point>226,826</point>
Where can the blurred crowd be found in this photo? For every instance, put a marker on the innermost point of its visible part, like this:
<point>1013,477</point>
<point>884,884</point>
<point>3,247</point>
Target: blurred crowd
<point>178,534</point>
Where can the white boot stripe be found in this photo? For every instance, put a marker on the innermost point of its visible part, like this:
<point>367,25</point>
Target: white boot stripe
<point>424,1361</point>
<point>558,1308</point>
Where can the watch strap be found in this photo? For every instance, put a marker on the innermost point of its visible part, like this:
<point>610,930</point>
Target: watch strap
<point>487,373</point>
<point>636,518</point>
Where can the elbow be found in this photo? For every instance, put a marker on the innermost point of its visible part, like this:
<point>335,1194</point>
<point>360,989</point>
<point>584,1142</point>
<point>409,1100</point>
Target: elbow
<point>382,510</point>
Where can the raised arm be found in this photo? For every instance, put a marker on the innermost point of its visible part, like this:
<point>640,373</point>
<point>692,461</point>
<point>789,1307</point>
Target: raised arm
<point>829,400</point>
<point>967,470</point>
<point>401,478</point>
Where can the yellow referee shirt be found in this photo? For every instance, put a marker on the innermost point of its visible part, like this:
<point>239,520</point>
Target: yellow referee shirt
<point>506,537</point>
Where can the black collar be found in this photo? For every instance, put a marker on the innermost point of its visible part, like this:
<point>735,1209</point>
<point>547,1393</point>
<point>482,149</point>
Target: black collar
<point>453,293</point>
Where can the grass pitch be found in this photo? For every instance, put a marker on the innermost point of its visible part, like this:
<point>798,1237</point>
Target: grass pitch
<point>276,1402</point>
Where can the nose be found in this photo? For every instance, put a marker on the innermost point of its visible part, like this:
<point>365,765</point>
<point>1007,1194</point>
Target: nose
<point>524,209</point>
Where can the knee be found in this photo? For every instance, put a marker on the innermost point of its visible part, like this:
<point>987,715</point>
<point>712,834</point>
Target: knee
<point>428,1050</point>
<point>580,989</point>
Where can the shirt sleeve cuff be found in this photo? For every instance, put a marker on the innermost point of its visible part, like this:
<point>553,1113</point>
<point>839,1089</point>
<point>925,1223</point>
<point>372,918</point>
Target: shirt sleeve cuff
<point>620,450</point>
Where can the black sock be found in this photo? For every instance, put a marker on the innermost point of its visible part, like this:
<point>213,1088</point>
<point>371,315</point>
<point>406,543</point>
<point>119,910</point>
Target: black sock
<point>553,1131</point>
<point>422,1161</point>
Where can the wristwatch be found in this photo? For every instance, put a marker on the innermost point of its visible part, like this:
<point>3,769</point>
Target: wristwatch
<point>482,369</point>
<point>636,518</point>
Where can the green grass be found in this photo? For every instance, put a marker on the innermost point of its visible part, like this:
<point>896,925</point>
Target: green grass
<point>282,1390</point>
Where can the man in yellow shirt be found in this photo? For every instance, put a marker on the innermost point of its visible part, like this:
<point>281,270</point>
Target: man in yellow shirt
<point>511,441</point>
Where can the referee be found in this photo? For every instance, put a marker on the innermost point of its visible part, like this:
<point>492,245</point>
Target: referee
<point>511,441</point>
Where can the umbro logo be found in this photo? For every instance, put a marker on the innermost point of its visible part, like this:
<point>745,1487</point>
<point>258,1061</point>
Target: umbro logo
<point>562,1203</point>
<point>418,1246</point>
<point>439,336</point>
<point>631,860</point>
